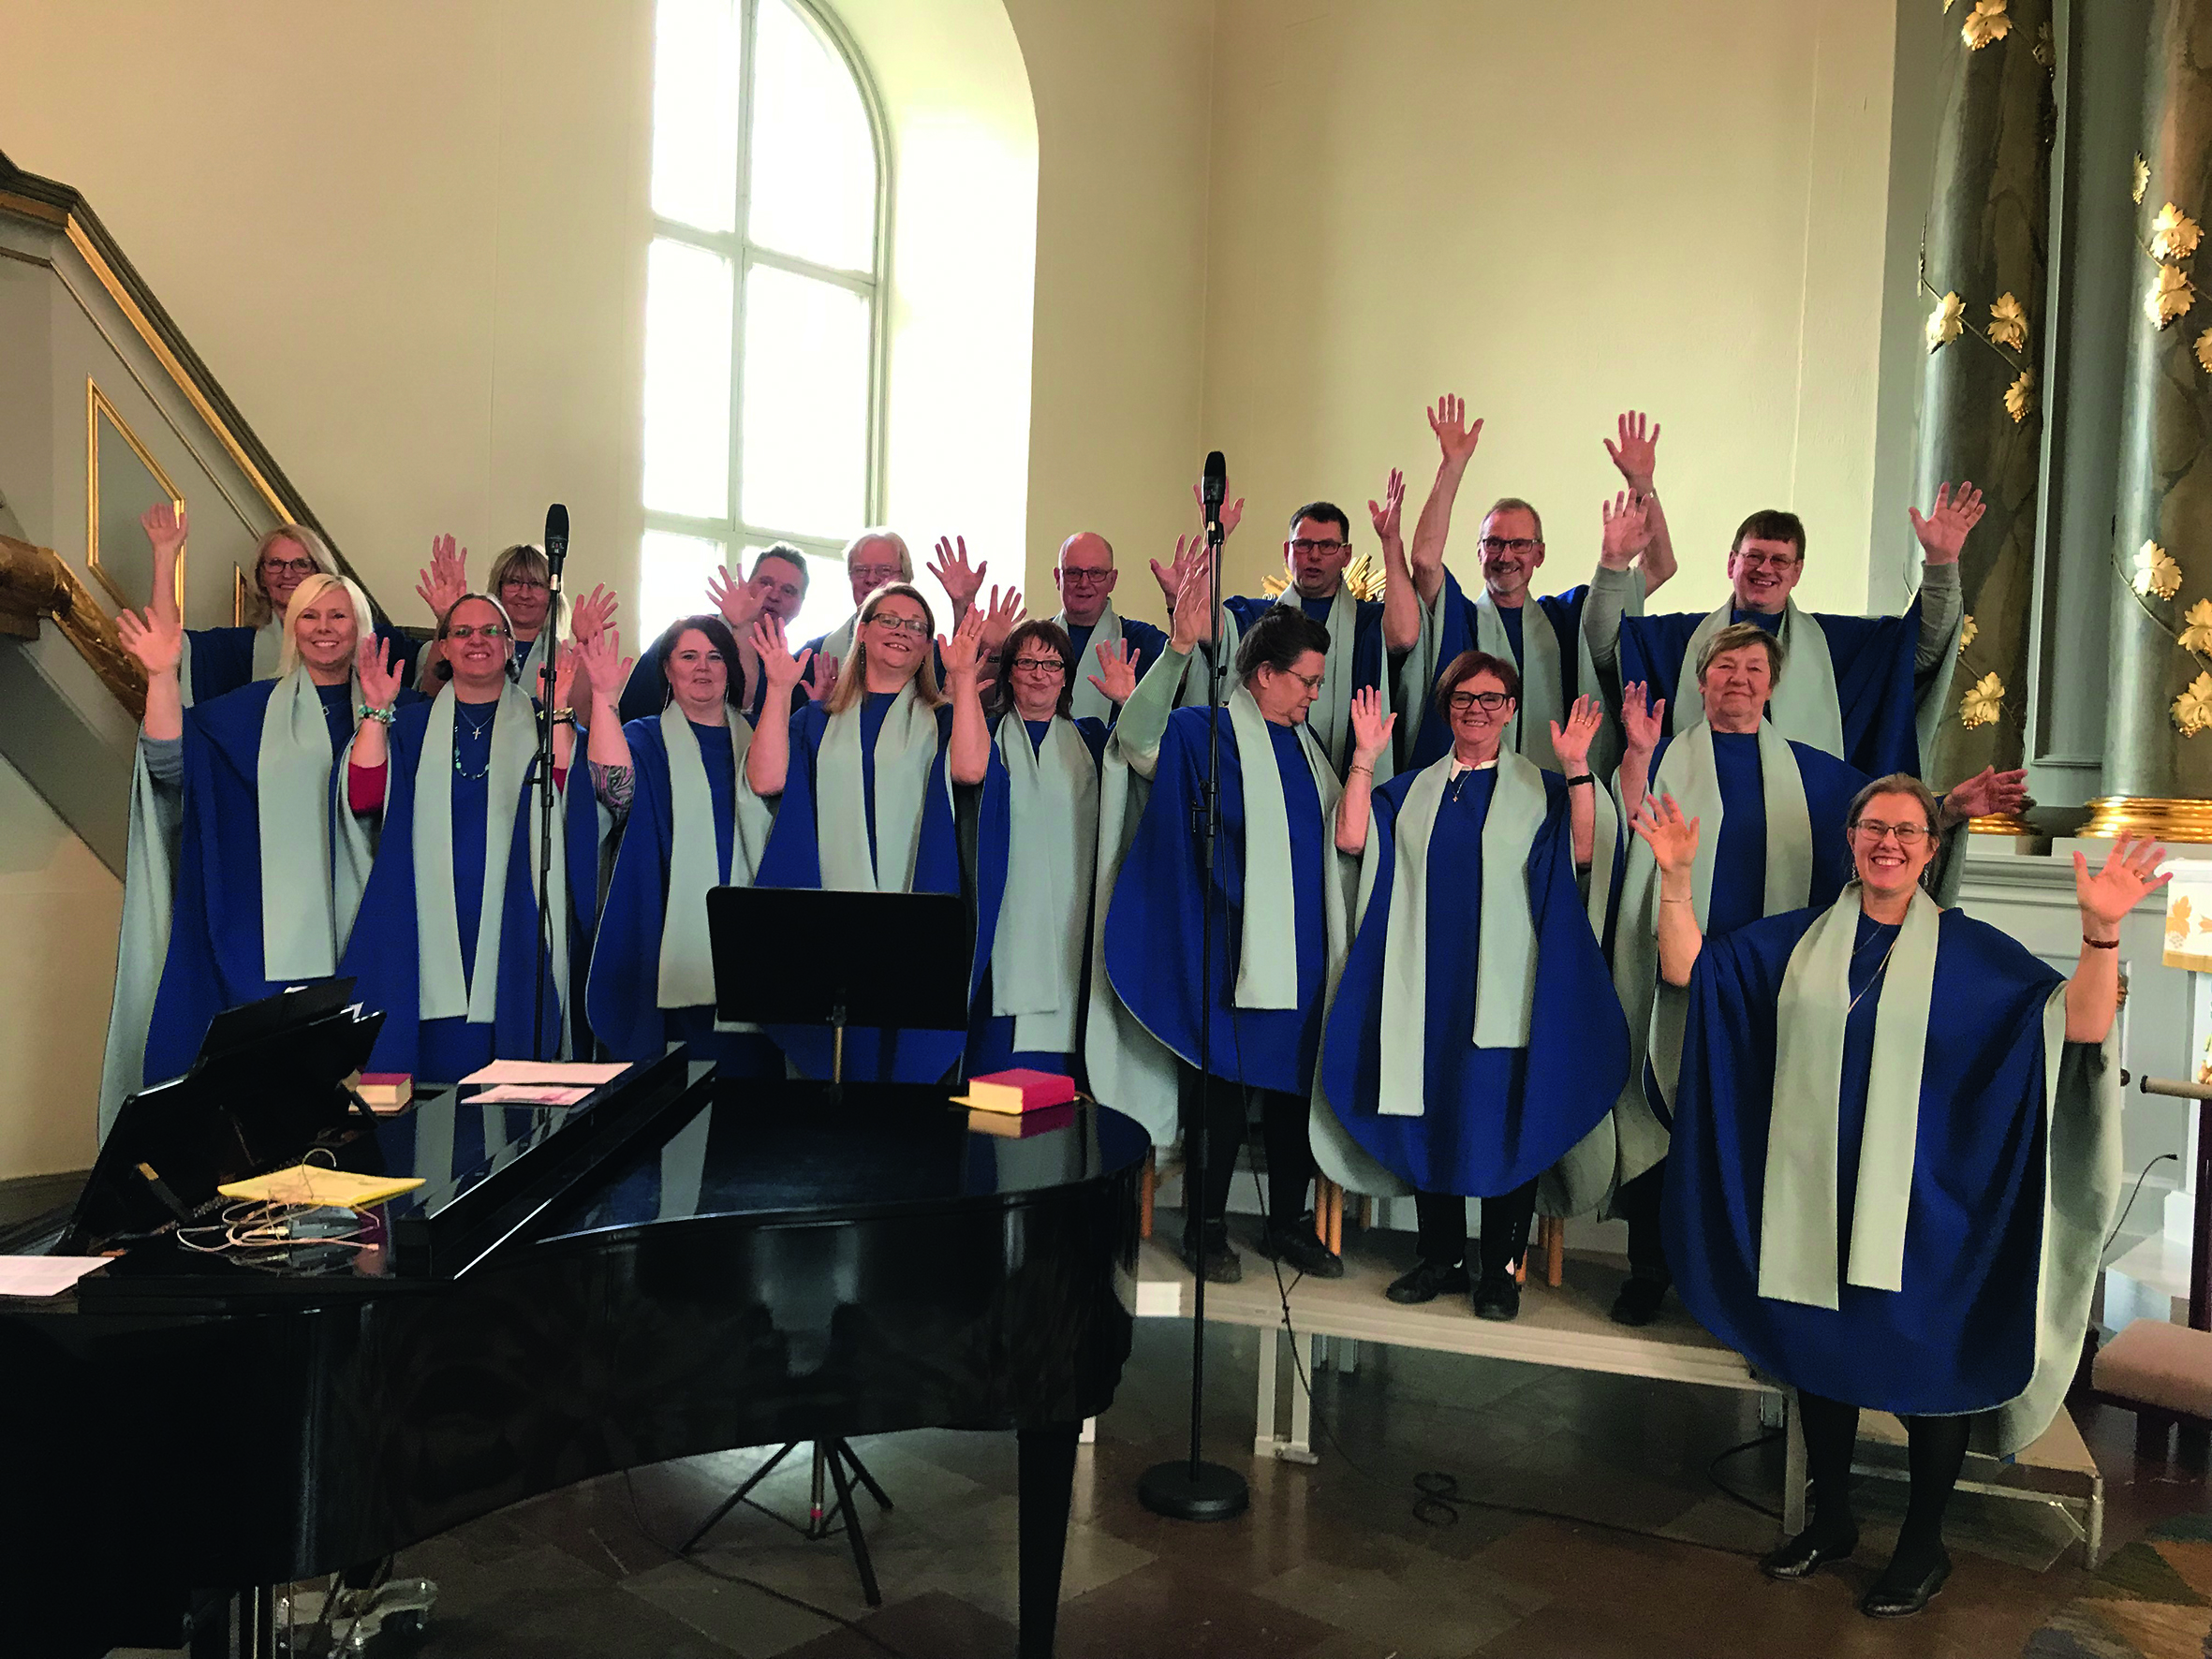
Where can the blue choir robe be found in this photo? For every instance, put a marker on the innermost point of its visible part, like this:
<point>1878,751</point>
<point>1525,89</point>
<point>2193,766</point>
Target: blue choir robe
<point>1848,685</point>
<point>220,931</point>
<point>1924,1250</point>
<point>1470,1047</point>
<point>1357,660</point>
<point>494,1013</point>
<point>1041,942</point>
<point>1147,644</point>
<point>1265,1038</point>
<point>803,844</point>
<point>639,963</point>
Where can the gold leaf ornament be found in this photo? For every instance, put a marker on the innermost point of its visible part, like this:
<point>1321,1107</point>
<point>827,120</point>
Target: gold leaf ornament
<point>2196,632</point>
<point>2008,322</point>
<point>2174,235</point>
<point>2020,396</point>
<point>1946,322</point>
<point>1987,22</point>
<point>2170,296</point>
<point>2204,351</point>
<point>1967,630</point>
<point>2192,709</point>
<point>2142,179</point>
<point>2154,572</point>
<point>1983,702</point>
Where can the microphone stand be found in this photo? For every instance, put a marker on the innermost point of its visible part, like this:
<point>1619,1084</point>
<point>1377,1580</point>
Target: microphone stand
<point>541,769</point>
<point>1192,1488</point>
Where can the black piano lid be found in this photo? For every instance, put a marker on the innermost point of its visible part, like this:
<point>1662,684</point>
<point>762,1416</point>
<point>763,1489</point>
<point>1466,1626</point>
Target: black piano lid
<point>762,1151</point>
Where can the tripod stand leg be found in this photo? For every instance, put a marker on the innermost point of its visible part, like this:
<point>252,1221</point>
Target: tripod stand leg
<point>852,1531</point>
<point>734,1499</point>
<point>844,1449</point>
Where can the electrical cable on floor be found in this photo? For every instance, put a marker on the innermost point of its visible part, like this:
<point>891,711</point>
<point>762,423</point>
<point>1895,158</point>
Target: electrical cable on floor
<point>1749,1501</point>
<point>2131,1198</point>
<point>800,1602</point>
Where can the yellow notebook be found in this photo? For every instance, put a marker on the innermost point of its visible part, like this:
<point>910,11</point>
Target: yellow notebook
<point>311,1183</point>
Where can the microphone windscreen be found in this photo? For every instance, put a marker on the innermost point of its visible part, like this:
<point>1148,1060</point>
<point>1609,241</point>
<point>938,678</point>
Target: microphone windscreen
<point>1216,484</point>
<point>556,532</point>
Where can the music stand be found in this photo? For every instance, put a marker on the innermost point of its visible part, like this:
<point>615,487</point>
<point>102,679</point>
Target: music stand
<point>859,973</point>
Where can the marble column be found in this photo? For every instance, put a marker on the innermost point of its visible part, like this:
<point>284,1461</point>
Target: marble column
<point>2157,730</point>
<point>1986,247</point>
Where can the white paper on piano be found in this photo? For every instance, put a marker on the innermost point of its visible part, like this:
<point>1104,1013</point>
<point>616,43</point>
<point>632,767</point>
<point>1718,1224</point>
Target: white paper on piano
<point>44,1275</point>
<point>529,1094</point>
<point>576,1073</point>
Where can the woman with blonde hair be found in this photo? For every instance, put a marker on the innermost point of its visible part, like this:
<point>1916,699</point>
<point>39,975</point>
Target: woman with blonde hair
<point>864,782</point>
<point>266,875</point>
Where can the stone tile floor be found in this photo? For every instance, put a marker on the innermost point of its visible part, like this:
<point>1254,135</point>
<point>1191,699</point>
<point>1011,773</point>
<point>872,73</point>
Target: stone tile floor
<point>1594,1529</point>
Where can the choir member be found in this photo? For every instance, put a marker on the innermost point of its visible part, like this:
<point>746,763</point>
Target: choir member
<point>1029,1013</point>
<point>217,660</point>
<point>872,558</point>
<point>264,879</point>
<point>452,918</point>
<point>1883,1208</point>
<point>1084,576</point>
<point>1542,638</point>
<point>864,781</point>
<point>521,580</point>
<point>1474,1037</point>
<point>776,587</point>
<point>675,784</point>
<point>1278,931</point>
<point>1869,690</point>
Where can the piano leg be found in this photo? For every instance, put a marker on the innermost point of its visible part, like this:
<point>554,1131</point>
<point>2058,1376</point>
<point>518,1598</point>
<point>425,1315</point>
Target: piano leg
<point>1047,1487</point>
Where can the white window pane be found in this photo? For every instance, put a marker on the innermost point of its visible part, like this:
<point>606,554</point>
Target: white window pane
<point>697,45</point>
<point>687,321</point>
<point>805,406</point>
<point>672,572</point>
<point>828,601</point>
<point>814,155</point>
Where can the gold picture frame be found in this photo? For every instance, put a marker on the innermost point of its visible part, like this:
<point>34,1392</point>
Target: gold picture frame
<point>96,410</point>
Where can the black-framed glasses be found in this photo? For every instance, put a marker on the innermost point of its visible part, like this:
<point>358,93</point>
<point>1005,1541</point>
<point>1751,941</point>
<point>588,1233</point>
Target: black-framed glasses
<point>301,567</point>
<point>1038,665</point>
<point>1497,546</point>
<point>489,631</point>
<point>1304,546</point>
<point>1872,833</point>
<point>1488,701</point>
<point>1085,579</point>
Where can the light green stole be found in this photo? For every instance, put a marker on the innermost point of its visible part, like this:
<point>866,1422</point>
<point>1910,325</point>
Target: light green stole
<point>837,642</point>
<point>1085,701</point>
<point>1802,706</point>
<point>695,856</point>
<point>268,655</point>
<point>446,990</point>
<point>1267,961</point>
<point>1038,951</point>
<point>141,950</point>
<point>906,750</point>
<point>308,898</point>
<point>1797,1217</point>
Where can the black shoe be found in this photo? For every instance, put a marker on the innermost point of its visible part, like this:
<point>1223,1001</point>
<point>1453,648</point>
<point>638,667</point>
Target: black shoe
<point>1805,1554</point>
<point>1899,1597</point>
<point>1220,1265</point>
<point>1296,1247</point>
<point>1428,1281</point>
<point>1639,1300</point>
<point>1498,1297</point>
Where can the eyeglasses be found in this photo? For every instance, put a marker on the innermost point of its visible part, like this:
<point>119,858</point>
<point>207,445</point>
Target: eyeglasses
<point>1312,683</point>
<point>1303,546</point>
<point>1040,665</point>
<point>1494,547</point>
<point>903,625</point>
<point>1488,701</point>
<point>287,566</point>
<point>1083,579</point>
<point>1769,560</point>
<point>523,584</point>
<point>1908,835</point>
<point>874,575</point>
<point>489,631</point>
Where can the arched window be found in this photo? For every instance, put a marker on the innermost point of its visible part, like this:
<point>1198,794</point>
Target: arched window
<point>763,324</point>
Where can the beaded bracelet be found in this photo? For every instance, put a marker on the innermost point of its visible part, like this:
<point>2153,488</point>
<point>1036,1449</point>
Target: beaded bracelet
<point>381,716</point>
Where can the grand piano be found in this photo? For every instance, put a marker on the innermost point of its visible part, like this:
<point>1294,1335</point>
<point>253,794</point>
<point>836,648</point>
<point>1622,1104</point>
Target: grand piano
<point>675,1265</point>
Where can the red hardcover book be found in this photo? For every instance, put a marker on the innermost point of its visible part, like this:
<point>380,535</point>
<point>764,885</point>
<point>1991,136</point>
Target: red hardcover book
<point>1020,1090</point>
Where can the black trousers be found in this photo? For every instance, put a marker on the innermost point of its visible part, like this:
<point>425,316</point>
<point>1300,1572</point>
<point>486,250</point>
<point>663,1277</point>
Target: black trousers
<point>1504,1228</point>
<point>1638,1203</point>
<point>1219,1110</point>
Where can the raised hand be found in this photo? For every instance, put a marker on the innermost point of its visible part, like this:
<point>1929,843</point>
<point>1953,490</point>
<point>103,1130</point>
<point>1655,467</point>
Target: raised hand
<point>736,601</point>
<point>1454,437</point>
<point>1673,842</point>
<point>1572,745</point>
<point>960,582</point>
<point>1386,515</point>
<point>1943,531</point>
<point>1191,624</point>
<point>963,654</point>
<point>1989,791</point>
<point>1117,678</point>
<point>594,612</point>
<point>1643,722</point>
<point>1190,554</point>
<point>1232,514</point>
<point>375,670</point>
<point>823,680</point>
<point>156,640</point>
<point>1370,726</point>
<point>1637,453</point>
<point>778,667</point>
<point>441,586</point>
<point>1627,530</point>
<point>1001,617</point>
<point>605,669</point>
<point>2128,873</point>
<point>164,525</point>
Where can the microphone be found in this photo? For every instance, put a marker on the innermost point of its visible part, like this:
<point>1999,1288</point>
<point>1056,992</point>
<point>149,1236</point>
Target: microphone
<point>556,546</point>
<point>1213,492</point>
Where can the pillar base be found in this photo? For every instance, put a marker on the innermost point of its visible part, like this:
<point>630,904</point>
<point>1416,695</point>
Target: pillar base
<point>2000,824</point>
<point>2149,816</point>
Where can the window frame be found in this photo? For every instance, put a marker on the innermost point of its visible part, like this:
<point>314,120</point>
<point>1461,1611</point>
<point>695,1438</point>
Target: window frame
<point>734,530</point>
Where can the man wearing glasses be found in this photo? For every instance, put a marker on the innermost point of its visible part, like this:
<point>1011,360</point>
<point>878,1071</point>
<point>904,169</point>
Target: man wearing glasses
<point>776,587</point>
<point>1869,690</point>
<point>1084,575</point>
<point>872,558</point>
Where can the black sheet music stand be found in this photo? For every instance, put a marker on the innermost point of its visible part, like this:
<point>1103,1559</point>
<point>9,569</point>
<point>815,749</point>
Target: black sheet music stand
<point>888,960</point>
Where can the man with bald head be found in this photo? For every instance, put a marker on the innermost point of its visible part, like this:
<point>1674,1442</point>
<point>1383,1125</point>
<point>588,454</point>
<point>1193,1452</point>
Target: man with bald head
<point>1084,575</point>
